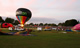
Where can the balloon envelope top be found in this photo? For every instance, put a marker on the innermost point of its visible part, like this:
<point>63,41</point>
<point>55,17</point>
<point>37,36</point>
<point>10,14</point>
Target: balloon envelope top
<point>23,15</point>
<point>23,12</point>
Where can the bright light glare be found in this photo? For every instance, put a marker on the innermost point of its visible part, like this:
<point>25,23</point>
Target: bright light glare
<point>22,25</point>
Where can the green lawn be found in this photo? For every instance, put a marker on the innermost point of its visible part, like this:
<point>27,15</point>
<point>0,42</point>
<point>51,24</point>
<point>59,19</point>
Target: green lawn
<point>44,39</point>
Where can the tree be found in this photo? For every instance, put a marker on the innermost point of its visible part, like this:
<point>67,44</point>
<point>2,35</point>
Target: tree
<point>41,24</point>
<point>53,24</point>
<point>36,24</point>
<point>9,20</point>
<point>31,24</point>
<point>71,22</point>
<point>16,22</point>
<point>45,24</point>
<point>61,24</point>
<point>1,20</point>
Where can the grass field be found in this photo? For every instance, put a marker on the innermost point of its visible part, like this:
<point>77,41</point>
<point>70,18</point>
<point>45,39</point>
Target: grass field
<point>44,39</point>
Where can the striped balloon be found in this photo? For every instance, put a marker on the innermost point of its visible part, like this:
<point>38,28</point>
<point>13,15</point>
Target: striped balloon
<point>23,15</point>
<point>22,19</point>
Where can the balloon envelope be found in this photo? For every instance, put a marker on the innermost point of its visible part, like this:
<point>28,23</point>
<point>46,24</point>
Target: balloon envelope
<point>23,15</point>
<point>76,27</point>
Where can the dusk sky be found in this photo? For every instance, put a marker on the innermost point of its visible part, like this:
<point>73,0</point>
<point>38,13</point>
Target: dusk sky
<point>43,11</point>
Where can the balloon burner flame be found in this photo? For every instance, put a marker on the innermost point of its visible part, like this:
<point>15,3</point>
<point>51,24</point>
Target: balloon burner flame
<point>22,25</point>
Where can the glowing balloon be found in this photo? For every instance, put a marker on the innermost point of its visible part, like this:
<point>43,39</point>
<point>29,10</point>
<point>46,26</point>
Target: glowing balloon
<point>23,15</point>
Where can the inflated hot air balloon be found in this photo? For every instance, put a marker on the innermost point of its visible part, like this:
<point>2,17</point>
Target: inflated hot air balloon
<point>76,28</point>
<point>23,15</point>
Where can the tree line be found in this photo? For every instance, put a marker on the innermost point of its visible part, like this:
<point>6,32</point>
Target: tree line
<point>70,22</point>
<point>41,24</point>
<point>9,20</point>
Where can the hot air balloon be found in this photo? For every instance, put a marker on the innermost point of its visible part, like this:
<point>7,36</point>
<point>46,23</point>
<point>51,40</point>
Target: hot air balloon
<point>76,28</point>
<point>23,15</point>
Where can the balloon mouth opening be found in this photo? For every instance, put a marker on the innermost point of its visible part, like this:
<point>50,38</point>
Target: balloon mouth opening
<point>22,25</point>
